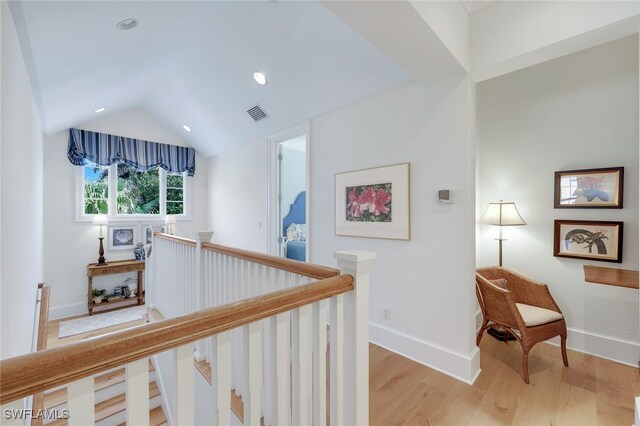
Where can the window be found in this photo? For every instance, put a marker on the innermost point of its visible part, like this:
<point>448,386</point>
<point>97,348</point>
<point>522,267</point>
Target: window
<point>175,194</point>
<point>96,190</point>
<point>121,191</point>
<point>138,192</point>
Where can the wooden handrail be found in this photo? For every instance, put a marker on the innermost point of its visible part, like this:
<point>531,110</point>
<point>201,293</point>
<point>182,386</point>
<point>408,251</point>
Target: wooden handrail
<point>186,241</point>
<point>307,269</point>
<point>36,372</point>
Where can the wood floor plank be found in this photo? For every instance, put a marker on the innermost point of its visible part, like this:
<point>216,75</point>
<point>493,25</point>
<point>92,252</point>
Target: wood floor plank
<point>615,406</point>
<point>576,406</point>
<point>458,406</point>
<point>499,404</point>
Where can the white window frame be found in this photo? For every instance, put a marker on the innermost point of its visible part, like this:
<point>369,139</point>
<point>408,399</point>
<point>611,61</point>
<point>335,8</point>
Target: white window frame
<point>113,217</point>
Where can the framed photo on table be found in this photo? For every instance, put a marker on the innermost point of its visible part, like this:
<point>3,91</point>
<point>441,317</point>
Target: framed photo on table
<point>591,240</point>
<point>373,203</point>
<point>589,188</point>
<point>122,237</point>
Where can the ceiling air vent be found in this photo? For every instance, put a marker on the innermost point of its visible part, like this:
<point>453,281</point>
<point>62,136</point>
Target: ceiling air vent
<point>257,113</point>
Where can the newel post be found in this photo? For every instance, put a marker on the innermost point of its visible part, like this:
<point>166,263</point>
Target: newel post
<point>356,335</point>
<point>200,285</point>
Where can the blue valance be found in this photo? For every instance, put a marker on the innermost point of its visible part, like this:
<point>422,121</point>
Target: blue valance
<point>100,148</point>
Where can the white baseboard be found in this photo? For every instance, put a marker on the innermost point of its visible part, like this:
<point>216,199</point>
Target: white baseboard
<point>464,367</point>
<point>58,312</point>
<point>612,348</point>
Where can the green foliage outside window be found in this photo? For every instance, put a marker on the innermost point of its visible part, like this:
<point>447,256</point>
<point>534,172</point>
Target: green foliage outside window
<point>96,190</point>
<point>138,192</point>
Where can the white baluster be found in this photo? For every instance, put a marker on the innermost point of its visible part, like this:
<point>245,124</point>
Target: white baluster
<point>319,327</point>
<point>252,334</point>
<point>336,363</point>
<point>80,397</point>
<point>12,409</point>
<point>138,392</point>
<point>221,380</point>
<point>300,355</point>
<point>184,396</point>
<point>356,335</point>
<point>283,376</point>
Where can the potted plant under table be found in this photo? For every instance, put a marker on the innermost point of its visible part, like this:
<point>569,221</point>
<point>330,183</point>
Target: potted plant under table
<point>98,295</point>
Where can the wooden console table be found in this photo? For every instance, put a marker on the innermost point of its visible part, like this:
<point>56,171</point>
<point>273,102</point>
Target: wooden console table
<point>115,267</point>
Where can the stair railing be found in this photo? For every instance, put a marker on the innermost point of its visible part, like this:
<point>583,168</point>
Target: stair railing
<point>292,319</point>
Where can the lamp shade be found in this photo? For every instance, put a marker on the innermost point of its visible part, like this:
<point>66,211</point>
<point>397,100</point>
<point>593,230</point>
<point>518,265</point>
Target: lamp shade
<point>502,214</point>
<point>170,219</point>
<point>100,219</point>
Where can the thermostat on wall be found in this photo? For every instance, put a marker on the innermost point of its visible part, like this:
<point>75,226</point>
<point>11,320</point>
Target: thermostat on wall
<point>444,196</point>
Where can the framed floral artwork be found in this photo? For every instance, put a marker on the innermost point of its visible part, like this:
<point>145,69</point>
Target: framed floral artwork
<point>373,202</point>
<point>592,240</point>
<point>589,188</point>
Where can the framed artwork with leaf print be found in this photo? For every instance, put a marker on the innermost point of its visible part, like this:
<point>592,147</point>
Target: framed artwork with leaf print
<point>591,240</point>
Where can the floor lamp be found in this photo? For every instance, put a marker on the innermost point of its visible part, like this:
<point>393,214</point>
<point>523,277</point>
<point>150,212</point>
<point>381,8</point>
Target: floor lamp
<point>501,214</point>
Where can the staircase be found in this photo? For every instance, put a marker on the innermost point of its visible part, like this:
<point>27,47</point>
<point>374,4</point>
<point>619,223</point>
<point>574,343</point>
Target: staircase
<point>110,400</point>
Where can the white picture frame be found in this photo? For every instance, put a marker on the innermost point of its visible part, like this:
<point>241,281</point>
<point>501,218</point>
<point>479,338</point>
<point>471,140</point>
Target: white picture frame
<point>146,232</point>
<point>122,237</point>
<point>388,219</point>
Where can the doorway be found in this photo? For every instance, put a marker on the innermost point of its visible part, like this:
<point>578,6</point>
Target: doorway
<point>289,196</point>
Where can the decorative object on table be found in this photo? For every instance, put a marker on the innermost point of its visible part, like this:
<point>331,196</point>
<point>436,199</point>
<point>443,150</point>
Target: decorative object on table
<point>132,286</point>
<point>502,214</point>
<point>98,295</point>
<point>169,221</point>
<point>101,220</point>
<point>373,203</point>
<point>592,240</point>
<point>139,252</point>
<point>122,237</point>
<point>525,306</point>
<point>102,320</point>
<point>589,188</point>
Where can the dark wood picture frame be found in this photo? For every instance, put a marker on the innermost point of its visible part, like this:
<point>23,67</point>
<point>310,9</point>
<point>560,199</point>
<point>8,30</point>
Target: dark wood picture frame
<point>593,193</point>
<point>586,238</point>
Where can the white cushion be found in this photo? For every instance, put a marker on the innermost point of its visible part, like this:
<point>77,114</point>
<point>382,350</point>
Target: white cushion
<point>533,315</point>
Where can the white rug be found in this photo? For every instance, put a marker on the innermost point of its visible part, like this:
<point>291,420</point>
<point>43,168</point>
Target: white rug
<point>97,321</point>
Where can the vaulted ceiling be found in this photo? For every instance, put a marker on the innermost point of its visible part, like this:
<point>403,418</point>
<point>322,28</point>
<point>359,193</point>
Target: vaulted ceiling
<point>193,63</point>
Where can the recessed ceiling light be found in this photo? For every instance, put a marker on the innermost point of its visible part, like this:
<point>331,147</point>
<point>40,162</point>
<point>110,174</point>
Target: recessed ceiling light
<point>127,24</point>
<point>99,110</point>
<point>186,128</point>
<point>260,78</point>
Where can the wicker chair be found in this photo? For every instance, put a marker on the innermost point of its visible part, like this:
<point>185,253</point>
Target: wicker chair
<point>524,308</point>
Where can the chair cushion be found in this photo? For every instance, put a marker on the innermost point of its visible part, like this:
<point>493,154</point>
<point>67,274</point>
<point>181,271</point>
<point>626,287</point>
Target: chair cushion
<point>533,315</point>
<point>500,282</point>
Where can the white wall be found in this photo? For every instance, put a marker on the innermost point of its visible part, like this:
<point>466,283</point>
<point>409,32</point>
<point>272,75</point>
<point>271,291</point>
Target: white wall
<point>426,282</point>
<point>576,112</point>
<point>506,36</point>
<point>237,196</point>
<point>21,196</point>
<point>69,245</point>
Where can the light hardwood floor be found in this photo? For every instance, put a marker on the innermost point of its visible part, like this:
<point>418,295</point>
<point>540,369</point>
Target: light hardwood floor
<point>591,391</point>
